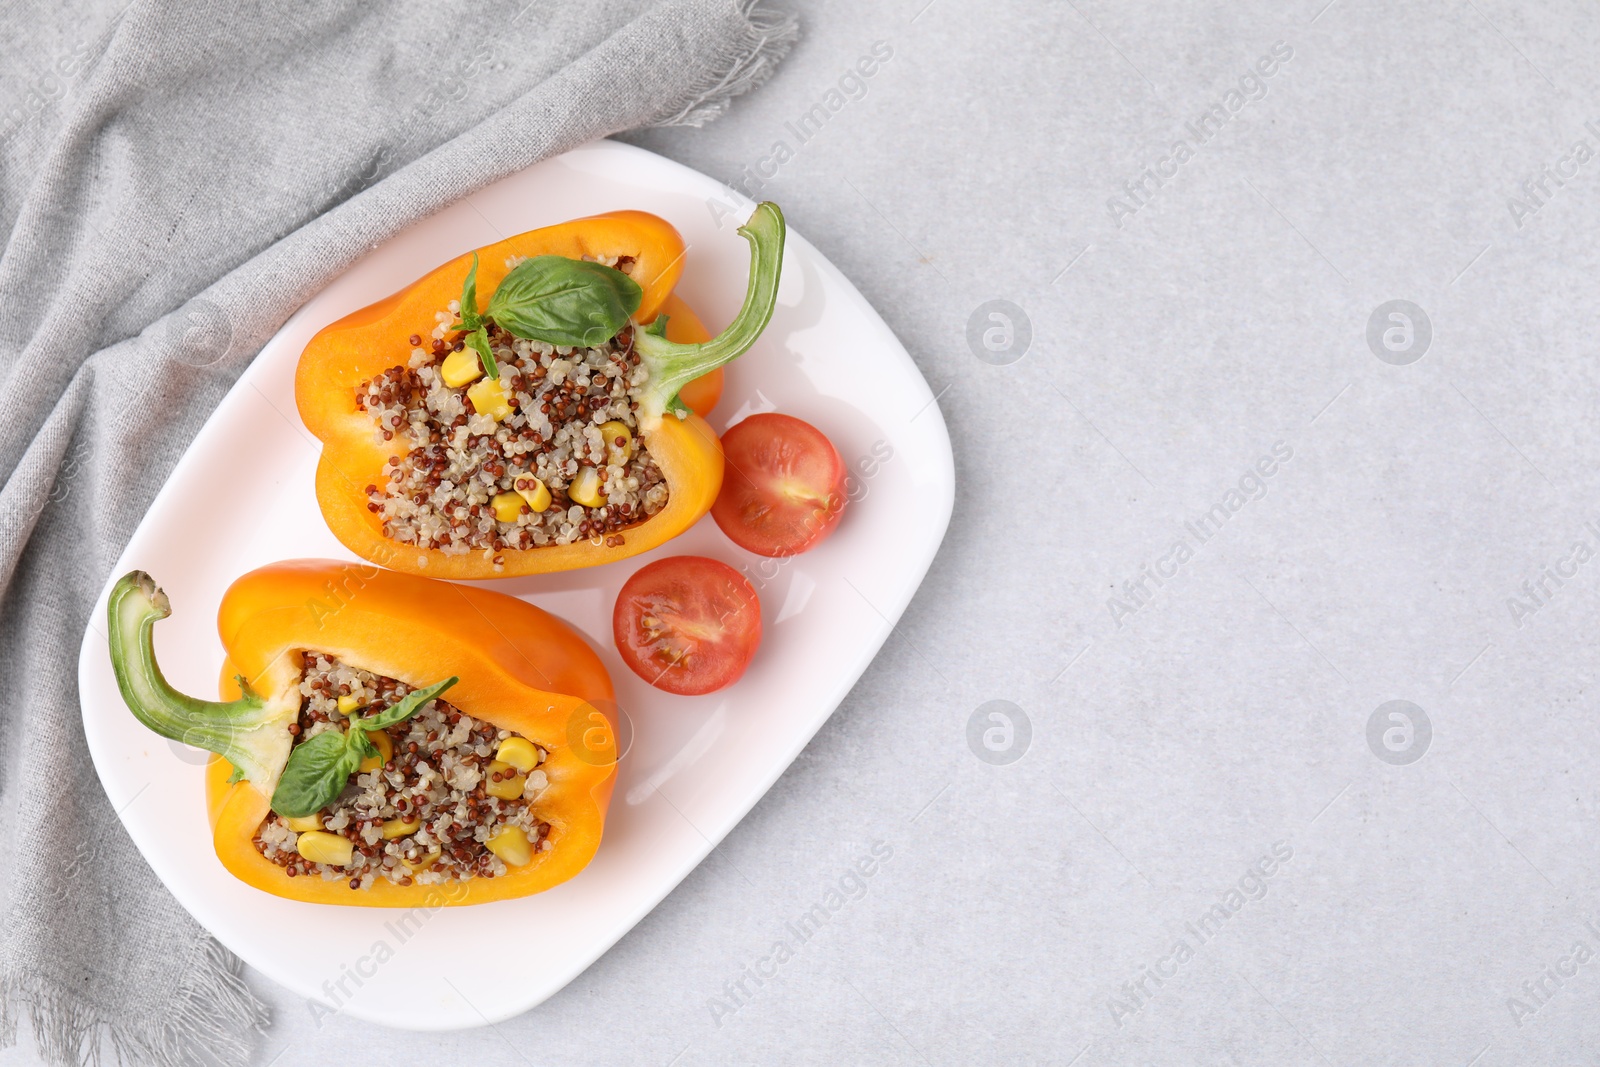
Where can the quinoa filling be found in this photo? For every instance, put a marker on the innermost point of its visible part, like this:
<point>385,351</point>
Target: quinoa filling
<point>452,489</point>
<point>441,808</point>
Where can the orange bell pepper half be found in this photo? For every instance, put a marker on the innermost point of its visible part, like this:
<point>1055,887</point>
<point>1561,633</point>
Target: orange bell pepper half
<point>516,667</point>
<point>683,360</point>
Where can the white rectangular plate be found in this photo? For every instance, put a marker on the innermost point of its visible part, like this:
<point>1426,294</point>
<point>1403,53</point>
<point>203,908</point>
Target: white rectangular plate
<point>242,496</point>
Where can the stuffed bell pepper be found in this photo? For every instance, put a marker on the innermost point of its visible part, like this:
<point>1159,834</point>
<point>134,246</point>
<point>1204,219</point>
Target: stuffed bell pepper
<point>385,740</point>
<point>531,407</point>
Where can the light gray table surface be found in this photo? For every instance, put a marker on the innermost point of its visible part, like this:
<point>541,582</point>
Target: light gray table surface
<point>1206,835</point>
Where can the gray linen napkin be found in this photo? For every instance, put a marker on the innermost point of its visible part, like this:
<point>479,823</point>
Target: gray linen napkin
<point>175,179</point>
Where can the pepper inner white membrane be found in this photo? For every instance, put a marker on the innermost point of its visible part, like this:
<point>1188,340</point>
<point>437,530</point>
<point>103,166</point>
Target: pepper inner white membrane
<point>438,776</point>
<point>437,494</point>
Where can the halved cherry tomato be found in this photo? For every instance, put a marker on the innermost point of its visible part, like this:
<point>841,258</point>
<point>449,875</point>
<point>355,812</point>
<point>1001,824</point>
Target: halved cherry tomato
<point>687,624</point>
<point>783,488</point>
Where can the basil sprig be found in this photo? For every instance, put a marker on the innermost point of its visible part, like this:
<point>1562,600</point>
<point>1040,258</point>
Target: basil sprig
<point>475,325</point>
<point>319,769</point>
<point>560,301</point>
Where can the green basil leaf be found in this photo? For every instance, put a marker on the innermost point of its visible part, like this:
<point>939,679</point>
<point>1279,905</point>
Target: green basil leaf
<point>479,340</point>
<point>563,301</point>
<point>315,774</point>
<point>470,319</point>
<point>358,740</point>
<point>403,709</point>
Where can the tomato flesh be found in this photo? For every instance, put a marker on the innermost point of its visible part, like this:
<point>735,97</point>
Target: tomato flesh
<point>687,624</point>
<point>783,489</point>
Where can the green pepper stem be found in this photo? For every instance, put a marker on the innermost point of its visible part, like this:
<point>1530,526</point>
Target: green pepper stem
<point>251,733</point>
<point>672,365</point>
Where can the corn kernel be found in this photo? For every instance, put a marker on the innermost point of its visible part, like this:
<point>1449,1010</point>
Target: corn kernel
<point>319,846</point>
<point>348,705</point>
<point>508,787</point>
<point>585,488</point>
<point>511,845</point>
<point>619,442</point>
<point>507,506</point>
<point>488,398</point>
<point>393,828</point>
<point>385,751</point>
<point>533,490</point>
<point>461,367</point>
<point>518,752</point>
<point>300,826</point>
